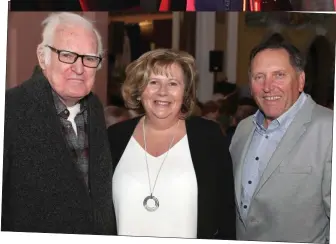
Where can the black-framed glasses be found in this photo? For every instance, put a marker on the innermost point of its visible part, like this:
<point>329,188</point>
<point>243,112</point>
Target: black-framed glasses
<point>71,57</point>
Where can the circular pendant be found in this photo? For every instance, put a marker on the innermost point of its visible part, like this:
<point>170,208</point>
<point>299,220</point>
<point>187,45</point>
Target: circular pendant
<point>151,203</point>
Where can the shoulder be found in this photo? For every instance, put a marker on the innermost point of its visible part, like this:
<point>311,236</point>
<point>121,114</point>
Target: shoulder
<point>245,122</point>
<point>202,125</point>
<point>19,99</point>
<point>13,94</point>
<point>322,114</point>
<point>242,130</point>
<point>322,123</point>
<point>122,128</point>
<point>206,130</point>
<point>244,125</point>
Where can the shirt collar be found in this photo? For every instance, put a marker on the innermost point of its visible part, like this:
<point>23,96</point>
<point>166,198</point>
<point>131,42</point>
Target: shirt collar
<point>62,110</point>
<point>284,120</point>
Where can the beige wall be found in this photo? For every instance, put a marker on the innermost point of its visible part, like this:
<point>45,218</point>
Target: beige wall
<point>24,34</point>
<point>251,36</point>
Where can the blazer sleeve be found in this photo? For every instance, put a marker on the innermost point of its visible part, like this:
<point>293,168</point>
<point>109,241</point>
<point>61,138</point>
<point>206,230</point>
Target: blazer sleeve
<point>326,183</point>
<point>9,128</point>
<point>226,206</point>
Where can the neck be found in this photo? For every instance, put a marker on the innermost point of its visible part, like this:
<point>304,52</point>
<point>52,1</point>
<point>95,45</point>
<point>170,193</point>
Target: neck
<point>160,125</point>
<point>267,122</point>
<point>69,103</point>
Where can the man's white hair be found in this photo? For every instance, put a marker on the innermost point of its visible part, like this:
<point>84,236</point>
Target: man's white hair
<point>55,20</point>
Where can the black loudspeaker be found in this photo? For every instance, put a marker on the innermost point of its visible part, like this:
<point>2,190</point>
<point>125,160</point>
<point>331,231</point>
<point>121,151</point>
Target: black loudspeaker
<point>216,61</point>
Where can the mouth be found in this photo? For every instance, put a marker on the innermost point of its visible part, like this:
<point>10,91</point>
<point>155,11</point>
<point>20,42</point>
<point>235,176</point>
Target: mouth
<point>76,79</point>
<point>272,98</point>
<point>161,103</point>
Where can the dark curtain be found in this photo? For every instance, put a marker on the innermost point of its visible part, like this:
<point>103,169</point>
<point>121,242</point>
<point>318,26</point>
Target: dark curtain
<point>319,79</point>
<point>116,37</point>
<point>188,33</point>
<point>136,44</point>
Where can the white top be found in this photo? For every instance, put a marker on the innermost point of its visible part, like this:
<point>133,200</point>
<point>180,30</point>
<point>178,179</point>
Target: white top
<point>73,111</point>
<point>176,190</point>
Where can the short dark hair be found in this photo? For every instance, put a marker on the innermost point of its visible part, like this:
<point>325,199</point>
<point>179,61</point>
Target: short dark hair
<point>296,59</point>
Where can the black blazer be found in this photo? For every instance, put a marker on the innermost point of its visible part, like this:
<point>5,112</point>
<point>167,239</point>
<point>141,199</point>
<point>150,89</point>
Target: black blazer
<point>42,189</point>
<point>212,163</point>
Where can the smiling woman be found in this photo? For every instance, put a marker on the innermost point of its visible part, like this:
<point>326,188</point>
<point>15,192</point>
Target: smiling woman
<point>169,163</point>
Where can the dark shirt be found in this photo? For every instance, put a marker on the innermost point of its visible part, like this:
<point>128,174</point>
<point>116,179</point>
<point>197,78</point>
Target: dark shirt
<point>77,144</point>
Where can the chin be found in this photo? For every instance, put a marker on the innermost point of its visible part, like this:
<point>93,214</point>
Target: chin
<point>162,116</point>
<point>79,92</point>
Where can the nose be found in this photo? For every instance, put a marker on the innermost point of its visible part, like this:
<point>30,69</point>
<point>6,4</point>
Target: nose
<point>162,90</point>
<point>268,84</point>
<point>78,66</point>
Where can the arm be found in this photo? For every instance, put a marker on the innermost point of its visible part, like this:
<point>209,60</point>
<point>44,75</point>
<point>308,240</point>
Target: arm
<point>226,207</point>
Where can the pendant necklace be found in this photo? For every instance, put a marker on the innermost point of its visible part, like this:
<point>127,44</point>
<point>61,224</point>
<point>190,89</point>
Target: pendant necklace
<point>151,203</point>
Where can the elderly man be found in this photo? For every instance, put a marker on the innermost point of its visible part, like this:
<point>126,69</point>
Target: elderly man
<point>282,154</point>
<point>57,163</point>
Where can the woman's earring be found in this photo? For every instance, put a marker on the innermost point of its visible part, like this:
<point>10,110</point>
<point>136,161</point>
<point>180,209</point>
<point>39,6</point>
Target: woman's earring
<point>138,99</point>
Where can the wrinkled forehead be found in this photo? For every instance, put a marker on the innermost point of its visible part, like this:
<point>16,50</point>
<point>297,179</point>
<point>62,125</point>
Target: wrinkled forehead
<point>76,39</point>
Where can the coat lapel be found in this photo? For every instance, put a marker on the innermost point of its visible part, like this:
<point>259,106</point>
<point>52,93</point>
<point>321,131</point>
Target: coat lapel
<point>287,143</point>
<point>49,124</point>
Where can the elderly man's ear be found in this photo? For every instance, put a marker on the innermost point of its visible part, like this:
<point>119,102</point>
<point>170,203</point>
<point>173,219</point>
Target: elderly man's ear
<point>41,56</point>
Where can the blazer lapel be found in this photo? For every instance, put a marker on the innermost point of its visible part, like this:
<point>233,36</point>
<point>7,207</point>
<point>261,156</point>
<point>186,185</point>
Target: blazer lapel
<point>286,145</point>
<point>94,142</point>
<point>240,149</point>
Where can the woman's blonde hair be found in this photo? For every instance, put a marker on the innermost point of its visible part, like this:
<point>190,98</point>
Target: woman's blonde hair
<point>157,62</point>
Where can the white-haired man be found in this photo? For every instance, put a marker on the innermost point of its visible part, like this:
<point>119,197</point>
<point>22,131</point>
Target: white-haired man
<point>57,164</point>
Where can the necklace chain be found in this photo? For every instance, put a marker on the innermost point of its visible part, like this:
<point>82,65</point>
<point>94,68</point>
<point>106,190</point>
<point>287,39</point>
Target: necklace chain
<point>171,143</point>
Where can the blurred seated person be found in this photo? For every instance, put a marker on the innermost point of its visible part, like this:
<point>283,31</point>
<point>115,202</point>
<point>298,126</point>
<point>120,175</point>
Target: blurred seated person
<point>226,97</point>
<point>246,107</point>
<point>114,114</point>
<point>197,111</point>
<point>210,111</point>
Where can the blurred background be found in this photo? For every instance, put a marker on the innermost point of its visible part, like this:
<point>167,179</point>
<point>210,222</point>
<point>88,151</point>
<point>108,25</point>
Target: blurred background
<point>220,41</point>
